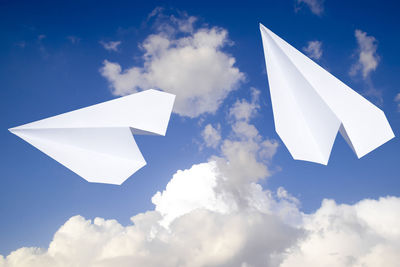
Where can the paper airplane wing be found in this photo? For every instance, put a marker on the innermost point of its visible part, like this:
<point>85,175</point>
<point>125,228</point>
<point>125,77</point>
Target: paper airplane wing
<point>103,155</point>
<point>145,112</point>
<point>96,142</point>
<point>310,106</point>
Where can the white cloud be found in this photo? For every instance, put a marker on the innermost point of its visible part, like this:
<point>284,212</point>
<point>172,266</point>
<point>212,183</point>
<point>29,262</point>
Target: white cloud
<point>200,238</point>
<point>211,135</point>
<point>397,100</point>
<point>245,153</point>
<point>171,24</point>
<point>205,229</point>
<point>244,110</point>
<point>316,6</point>
<point>365,234</point>
<point>368,59</point>
<point>184,25</point>
<point>110,46</point>
<point>189,190</point>
<point>192,66</point>
<point>314,49</point>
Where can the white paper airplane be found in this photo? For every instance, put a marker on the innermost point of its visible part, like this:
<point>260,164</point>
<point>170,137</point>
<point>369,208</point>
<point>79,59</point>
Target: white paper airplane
<point>97,142</point>
<point>310,106</point>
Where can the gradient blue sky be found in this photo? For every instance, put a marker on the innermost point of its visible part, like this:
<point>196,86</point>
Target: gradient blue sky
<point>48,75</point>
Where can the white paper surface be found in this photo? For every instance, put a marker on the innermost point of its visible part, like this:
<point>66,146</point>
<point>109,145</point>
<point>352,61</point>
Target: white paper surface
<point>97,142</point>
<point>310,106</point>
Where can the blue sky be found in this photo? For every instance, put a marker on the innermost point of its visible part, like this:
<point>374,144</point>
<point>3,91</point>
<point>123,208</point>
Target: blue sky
<point>51,59</point>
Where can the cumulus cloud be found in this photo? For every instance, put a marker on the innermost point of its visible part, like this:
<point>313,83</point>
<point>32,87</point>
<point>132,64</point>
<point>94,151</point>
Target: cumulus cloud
<point>316,6</point>
<point>314,49</point>
<point>110,46</point>
<point>179,59</point>
<point>244,154</point>
<point>365,234</point>
<point>368,59</point>
<point>227,182</point>
<point>211,135</point>
<point>200,238</point>
<point>245,110</point>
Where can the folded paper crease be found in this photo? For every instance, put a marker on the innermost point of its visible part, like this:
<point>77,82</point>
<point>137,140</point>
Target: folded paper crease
<point>97,142</point>
<point>311,106</point>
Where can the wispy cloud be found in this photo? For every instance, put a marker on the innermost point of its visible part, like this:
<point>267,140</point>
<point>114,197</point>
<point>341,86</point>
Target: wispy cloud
<point>316,6</point>
<point>211,135</point>
<point>314,49</point>
<point>110,46</point>
<point>367,62</point>
<point>245,110</point>
<point>368,59</point>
